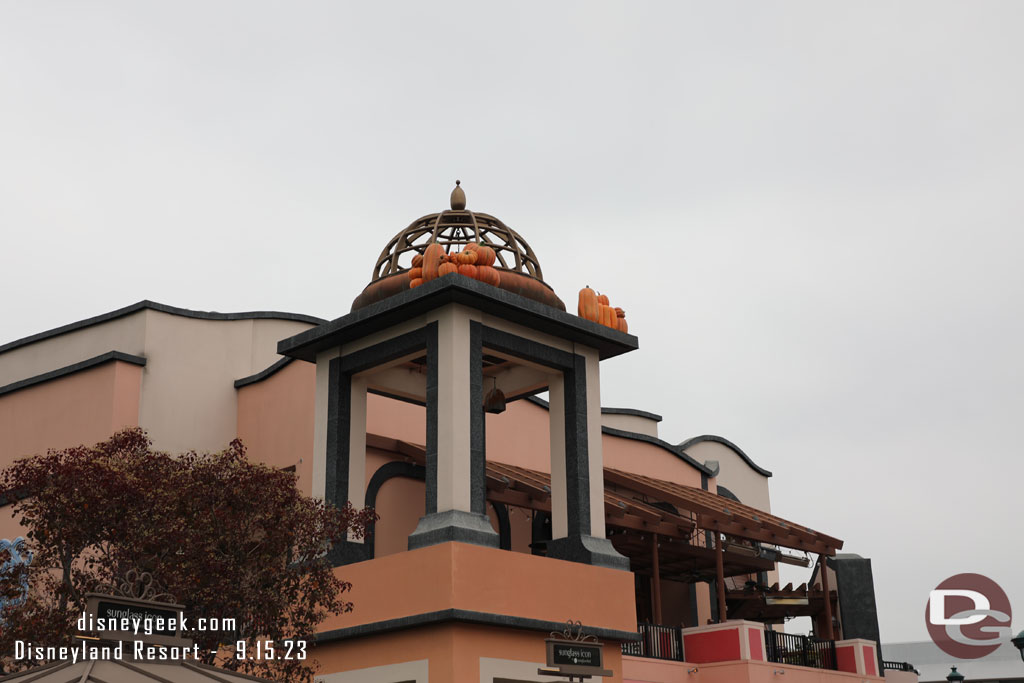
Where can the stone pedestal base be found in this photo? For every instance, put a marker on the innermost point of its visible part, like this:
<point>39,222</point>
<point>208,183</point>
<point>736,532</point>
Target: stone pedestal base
<point>453,525</point>
<point>587,550</point>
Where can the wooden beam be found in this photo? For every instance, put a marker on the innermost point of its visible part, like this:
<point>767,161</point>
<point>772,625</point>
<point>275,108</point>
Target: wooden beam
<point>655,579</point>
<point>720,580</point>
<point>829,635</point>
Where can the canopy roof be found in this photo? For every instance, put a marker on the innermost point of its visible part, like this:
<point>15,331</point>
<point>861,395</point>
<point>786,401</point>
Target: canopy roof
<point>637,505</point>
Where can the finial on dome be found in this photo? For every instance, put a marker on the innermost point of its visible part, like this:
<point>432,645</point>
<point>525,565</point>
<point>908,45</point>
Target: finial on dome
<point>458,197</point>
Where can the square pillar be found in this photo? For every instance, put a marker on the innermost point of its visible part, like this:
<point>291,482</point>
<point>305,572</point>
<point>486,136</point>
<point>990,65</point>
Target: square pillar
<point>730,641</point>
<point>857,656</point>
<point>345,475</point>
<point>576,435</point>
<point>556,415</point>
<point>456,484</point>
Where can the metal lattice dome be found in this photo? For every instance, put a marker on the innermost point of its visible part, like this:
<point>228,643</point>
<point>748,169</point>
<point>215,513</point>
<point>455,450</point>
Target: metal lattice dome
<point>454,229</point>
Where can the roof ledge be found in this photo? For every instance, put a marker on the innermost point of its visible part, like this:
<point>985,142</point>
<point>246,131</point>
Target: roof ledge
<point>729,444</point>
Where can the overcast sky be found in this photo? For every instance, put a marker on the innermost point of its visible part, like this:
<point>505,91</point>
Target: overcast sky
<point>811,212</point>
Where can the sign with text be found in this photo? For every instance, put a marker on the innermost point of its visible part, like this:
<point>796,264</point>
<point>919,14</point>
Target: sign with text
<point>118,618</point>
<point>160,622</point>
<point>576,658</point>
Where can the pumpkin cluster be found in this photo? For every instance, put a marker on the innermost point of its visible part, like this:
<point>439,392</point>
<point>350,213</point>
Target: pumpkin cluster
<point>476,261</point>
<point>596,307</point>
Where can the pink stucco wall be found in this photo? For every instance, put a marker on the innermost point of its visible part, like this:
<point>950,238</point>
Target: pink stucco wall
<point>275,420</point>
<point>643,670</point>
<point>82,408</point>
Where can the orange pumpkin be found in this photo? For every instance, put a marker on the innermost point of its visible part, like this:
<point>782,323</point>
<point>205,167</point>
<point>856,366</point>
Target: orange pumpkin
<point>416,282</point>
<point>417,260</point>
<point>468,269</point>
<point>587,308</point>
<point>433,255</point>
<point>488,275</point>
<point>447,269</point>
<point>415,273</point>
<point>485,256</point>
<point>623,326</point>
<point>602,299</point>
<point>466,258</point>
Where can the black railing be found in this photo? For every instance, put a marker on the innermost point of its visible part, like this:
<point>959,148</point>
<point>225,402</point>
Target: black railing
<point>657,642</point>
<point>790,648</point>
<point>899,666</point>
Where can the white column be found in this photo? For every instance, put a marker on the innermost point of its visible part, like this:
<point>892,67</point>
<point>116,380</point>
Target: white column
<point>595,456</point>
<point>556,414</point>
<point>453,454</point>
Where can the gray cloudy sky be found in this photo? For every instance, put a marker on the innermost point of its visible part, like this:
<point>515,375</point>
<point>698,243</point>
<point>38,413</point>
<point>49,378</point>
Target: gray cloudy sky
<point>811,212</point>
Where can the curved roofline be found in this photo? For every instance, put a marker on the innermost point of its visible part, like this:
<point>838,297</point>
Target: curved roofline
<point>631,411</point>
<point>73,368</point>
<point>636,436</point>
<point>263,374</point>
<point>163,308</point>
<point>725,442</point>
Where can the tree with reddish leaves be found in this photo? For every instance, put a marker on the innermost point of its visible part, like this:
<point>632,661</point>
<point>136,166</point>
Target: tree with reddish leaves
<point>228,538</point>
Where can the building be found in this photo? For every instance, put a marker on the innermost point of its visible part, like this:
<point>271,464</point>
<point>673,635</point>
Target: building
<point>502,516</point>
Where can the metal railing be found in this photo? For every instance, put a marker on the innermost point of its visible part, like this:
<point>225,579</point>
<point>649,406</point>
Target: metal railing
<point>899,666</point>
<point>657,642</point>
<point>790,648</point>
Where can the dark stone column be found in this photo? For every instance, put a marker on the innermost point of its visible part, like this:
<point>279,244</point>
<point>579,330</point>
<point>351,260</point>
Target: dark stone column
<point>336,484</point>
<point>579,545</point>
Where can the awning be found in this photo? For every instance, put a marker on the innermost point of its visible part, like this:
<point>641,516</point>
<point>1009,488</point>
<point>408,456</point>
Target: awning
<point>644,504</point>
<point>717,513</point>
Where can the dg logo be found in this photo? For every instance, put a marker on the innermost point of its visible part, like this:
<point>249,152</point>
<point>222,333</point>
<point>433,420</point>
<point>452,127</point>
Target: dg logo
<point>968,616</point>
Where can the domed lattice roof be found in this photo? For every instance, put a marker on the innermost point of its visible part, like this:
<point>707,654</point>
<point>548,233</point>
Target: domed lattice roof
<point>454,229</point>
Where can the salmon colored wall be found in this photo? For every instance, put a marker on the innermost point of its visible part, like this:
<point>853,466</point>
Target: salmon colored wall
<point>641,670</point>
<point>82,408</point>
<point>275,420</point>
<point>396,419</point>
<point>453,650</point>
<point>703,603</point>
<point>400,504</point>
<point>9,527</point>
<point>461,576</point>
<point>520,436</point>
<point>644,458</point>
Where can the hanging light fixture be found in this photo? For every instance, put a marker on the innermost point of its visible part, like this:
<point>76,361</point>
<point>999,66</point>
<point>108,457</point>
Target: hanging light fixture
<point>494,402</point>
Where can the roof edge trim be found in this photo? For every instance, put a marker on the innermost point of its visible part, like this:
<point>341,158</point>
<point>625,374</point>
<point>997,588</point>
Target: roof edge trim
<point>631,411</point>
<point>636,436</point>
<point>725,442</point>
<point>163,308</point>
<point>465,616</point>
<point>263,374</point>
<point>71,369</point>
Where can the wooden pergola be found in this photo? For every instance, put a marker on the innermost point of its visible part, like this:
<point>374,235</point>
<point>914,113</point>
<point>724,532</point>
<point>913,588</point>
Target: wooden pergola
<point>658,525</point>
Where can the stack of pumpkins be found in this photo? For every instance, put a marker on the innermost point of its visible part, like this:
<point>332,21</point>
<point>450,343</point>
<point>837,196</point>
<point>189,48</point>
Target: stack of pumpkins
<point>594,306</point>
<point>475,261</point>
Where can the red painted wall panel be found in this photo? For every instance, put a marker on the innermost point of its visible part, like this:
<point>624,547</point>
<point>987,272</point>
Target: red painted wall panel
<point>714,646</point>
